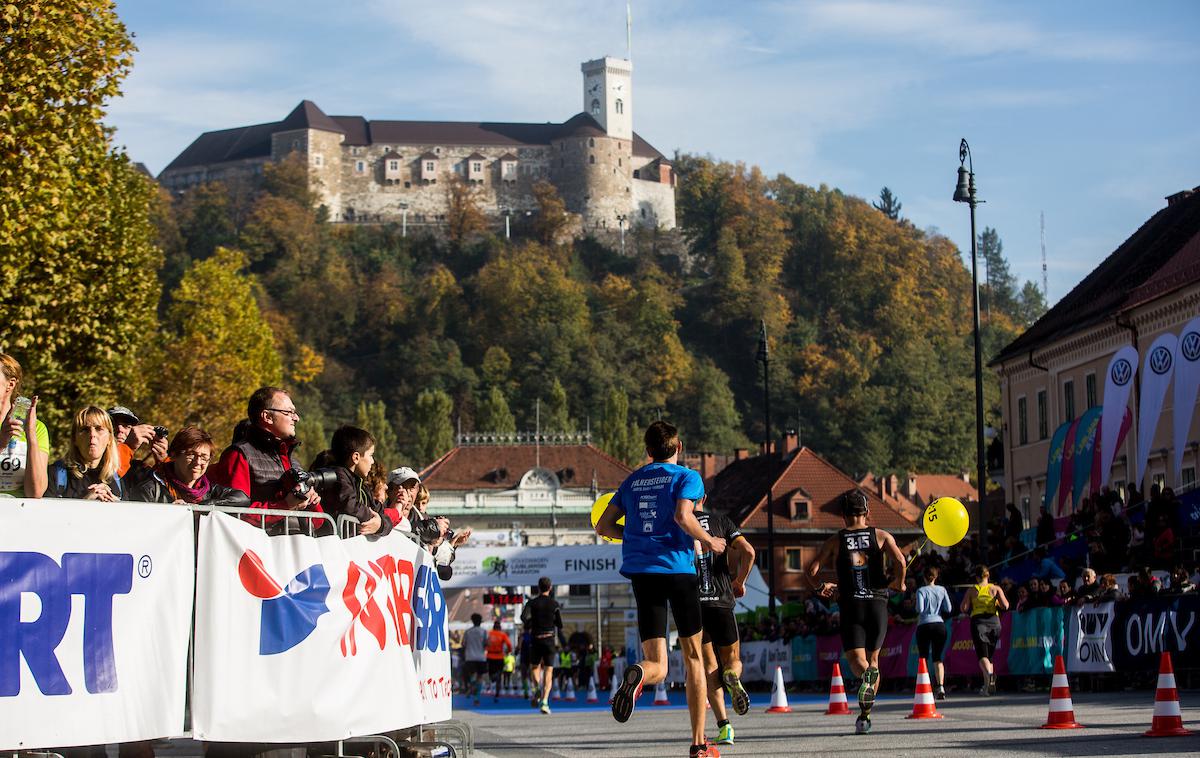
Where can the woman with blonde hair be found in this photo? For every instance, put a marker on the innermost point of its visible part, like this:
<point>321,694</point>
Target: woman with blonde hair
<point>89,470</point>
<point>984,601</point>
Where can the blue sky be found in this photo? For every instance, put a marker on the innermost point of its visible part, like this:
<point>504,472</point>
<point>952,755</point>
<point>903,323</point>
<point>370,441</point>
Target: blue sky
<point>1082,110</point>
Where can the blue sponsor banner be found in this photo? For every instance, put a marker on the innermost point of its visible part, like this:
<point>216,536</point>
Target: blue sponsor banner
<point>1144,629</point>
<point>1035,640</point>
<point>804,658</point>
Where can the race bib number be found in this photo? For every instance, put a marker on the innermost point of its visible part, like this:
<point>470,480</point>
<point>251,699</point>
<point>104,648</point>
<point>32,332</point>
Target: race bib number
<point>12,465</point>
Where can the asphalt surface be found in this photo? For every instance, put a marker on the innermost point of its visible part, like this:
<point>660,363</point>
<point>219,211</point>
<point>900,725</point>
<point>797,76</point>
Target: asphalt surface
<point>1004,725</point>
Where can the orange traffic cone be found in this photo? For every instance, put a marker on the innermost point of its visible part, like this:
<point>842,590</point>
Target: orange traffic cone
<point>837,694</point>
<point>1168,720</point>
<point>660,694</point>
<point>923,707</point>
<point>1062,713</point>
<point>779,703</point>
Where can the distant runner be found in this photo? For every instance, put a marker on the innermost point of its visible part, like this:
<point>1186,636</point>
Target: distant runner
<point>984,601</point>
<point>862,589</point>
<point>475,656</point>
<point>543,621</point>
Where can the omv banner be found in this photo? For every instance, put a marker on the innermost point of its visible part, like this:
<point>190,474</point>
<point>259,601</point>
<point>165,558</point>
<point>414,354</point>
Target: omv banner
<point>1187,383</point>
<point>522,566</point>
<point>1089,637</point>
<point>302,639</point>
<point>1118,383</point>
<point>1157,370</point>
<point>95,612</point>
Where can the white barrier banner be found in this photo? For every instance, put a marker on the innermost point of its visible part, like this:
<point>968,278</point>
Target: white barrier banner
<point>302,639</point>
<point>1089,637</point>
<point>759,659</point>
<point>95,612</point>
<point>522,566</point>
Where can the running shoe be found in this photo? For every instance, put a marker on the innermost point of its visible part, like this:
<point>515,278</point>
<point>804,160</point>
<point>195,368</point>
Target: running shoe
<point>707,750</point>
<point>725,736</point>
<point>991,684</point>
<point>862,725</point>
<point>866,692</point>
<point>545,707</point>
<point>627,694</point>
<point>940,694</point>
<point>737,693</point>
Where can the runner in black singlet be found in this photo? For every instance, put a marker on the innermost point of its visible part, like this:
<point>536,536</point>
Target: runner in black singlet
<point>862,586</point>
<point>543,621</point>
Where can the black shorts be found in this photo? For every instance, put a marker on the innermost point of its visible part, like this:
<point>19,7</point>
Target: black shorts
<point>495,667</point>
<point>864,623</point>
<point>985,633</point>
<point>474,668</point>
<point>720,626</point>
<point>543,652</point>
<point>653,592</point>
<point>931,641</point>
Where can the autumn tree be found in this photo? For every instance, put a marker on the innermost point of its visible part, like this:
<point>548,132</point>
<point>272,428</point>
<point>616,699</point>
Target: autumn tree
<point>432,427</point>
<point>373,417</point>
<point>464,218</point>
<point>78,286</point>
<point>216,349</point>
<point>889,205</point>
<point>551,219</point>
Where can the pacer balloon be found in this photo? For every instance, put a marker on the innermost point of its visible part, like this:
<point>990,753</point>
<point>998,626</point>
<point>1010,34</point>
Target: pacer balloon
<point>946,521</point>
<point>598,510</point>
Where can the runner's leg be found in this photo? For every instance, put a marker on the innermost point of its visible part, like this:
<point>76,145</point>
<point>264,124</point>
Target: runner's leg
<point>716,694</point>
<point>693,664</point>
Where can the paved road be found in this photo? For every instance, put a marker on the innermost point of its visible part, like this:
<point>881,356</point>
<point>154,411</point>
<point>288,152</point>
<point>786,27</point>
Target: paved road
<point>1005,725</point>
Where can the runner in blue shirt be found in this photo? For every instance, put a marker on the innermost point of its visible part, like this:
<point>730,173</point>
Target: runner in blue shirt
<point>658,547</point>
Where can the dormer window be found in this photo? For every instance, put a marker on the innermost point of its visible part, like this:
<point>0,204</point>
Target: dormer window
<point>799,506</point>
<point>595,107</point>
<point>393,165</point>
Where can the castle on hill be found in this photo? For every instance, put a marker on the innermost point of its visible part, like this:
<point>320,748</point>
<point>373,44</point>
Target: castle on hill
<point>398,170</point>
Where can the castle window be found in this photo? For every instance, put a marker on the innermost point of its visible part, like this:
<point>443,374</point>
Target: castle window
<point>429,165</point>
<point>591,159</point>
<point>393,165</point>
<point>318,161</point>
<point>595,107</point>
<point>618,161</point>
<point>620,106</point>
<point>360,166</point>
<point>477,166</point>
<point>591,142</point>
<point>635,174</point>
<point>407,185</point>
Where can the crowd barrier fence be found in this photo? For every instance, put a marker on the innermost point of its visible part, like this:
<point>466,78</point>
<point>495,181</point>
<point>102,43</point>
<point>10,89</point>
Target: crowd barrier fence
<point>120,621</point>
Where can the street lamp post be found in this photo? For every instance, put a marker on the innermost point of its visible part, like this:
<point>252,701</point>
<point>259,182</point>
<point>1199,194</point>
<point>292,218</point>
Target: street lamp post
<point>764,357</point>
<point>507,229</point>
<point>403,219</point>
<point>621,223</point>
<point>965,193</point>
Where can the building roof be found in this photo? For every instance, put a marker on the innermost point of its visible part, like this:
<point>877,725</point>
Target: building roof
<point>500,467</point>
<point>477,157</point>
<point>508,157</point>
<point>741,491</point>
<point>255,141</point>
<point>930,487</point>
<point>391,155</point>
<point>1162,256</point>
<point>429,155</point>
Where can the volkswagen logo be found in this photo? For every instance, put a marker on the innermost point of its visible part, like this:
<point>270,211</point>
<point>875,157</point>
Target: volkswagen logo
<point>1160,360</point>
<point>1122,372</point>
<point>1190,346</point>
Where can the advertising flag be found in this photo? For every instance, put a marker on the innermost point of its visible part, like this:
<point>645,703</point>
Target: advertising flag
<point>1157,370</point>
<point>1067,475</point>
<point>1054,462</point>
<point>1118,383</point>
<point>1085,442</point>
<point>1187,382</point>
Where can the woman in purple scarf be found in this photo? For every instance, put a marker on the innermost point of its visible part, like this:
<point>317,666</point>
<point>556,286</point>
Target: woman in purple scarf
<point>182,479</point>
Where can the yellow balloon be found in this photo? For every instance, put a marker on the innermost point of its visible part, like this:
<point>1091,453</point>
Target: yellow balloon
<point>598,510</point>
<point>946,521</point>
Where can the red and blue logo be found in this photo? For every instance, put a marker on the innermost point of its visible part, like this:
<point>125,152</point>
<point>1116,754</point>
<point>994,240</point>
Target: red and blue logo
<point>289,614</point>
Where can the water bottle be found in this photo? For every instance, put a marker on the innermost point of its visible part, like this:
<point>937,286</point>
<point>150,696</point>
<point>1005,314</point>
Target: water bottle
<point>20,411</point>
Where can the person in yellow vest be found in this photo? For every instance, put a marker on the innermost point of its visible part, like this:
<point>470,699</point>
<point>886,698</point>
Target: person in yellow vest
<point>510,666</point>
<point>984,601</point>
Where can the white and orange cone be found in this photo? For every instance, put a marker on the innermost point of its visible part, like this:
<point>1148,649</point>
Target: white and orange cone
<point>554,692</point>
<point>660,694</point>
<point>613,691</point>
<point>592,697</point>
<point>569,695</point>
<point>838,706</point>
<point>923,705</point>
<point>1168,719</point>
<point>779,703</point>
<point>1062,712</point>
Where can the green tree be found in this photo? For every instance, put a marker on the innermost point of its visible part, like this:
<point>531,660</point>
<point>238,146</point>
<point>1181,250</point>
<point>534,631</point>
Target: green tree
<point>1000,287</point>
<point>310,433</point>
<point>618,436</point>
<point>889,205</point>
<point>556,416</point>
<point>552,219</point>
<point>432,427</point>
<point>708,413</point>
<point>78,284</point>
<point>1031,304</point>
<point>373,417</point>
<point>492,414</point>
<point>217,348</point>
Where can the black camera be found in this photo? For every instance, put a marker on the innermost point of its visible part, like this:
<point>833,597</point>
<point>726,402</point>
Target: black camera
<point>299,482</point>
<point>161,432</point>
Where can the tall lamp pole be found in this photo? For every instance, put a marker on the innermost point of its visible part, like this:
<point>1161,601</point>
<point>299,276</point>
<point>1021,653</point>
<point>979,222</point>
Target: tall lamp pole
<point>965,193</point>
<point>764,357</point>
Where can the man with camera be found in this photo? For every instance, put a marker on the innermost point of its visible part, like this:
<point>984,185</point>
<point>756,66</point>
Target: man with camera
<point>261,461</point>
<point>131,434</point>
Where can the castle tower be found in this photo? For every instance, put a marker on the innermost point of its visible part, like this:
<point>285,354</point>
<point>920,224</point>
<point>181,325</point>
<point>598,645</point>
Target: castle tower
<point>318,139</point>
<point>608,95</point>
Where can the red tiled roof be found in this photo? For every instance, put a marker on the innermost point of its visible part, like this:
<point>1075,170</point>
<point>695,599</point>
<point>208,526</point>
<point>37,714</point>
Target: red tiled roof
<point>1159,257</point>
<point>741,490</point>
<point>501,467</point>
<point>932,486</point>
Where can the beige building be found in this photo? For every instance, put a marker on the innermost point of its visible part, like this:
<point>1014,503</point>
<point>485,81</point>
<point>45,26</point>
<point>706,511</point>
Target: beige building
<point>397,171</point>
<point>1055,371</point>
